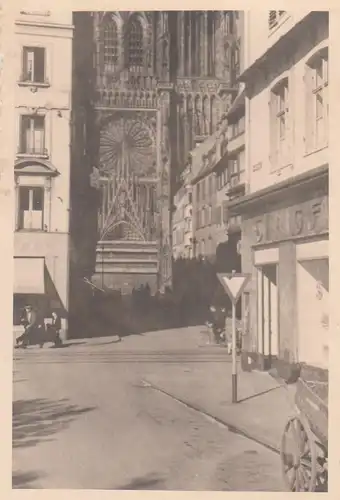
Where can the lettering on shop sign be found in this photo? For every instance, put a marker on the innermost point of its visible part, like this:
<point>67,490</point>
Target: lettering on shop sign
<point>279,225</point>
<point>298,223</point>
<point>316,210</point>
<point>307,218</point>
<point>259,230</point>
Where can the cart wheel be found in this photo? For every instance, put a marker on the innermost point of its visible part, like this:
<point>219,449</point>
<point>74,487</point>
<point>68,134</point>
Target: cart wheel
<point>298,456</point>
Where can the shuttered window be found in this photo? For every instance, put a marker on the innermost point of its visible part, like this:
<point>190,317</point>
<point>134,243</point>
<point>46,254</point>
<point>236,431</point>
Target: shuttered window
<point>316,102</point>
<point>280,125</point>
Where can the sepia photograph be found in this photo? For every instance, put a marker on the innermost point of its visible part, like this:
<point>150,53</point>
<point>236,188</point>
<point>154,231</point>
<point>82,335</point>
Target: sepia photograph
<point>171,249</point>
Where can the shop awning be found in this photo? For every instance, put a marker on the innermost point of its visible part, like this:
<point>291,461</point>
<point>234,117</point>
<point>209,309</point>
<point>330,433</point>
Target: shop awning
<point>29,275</point>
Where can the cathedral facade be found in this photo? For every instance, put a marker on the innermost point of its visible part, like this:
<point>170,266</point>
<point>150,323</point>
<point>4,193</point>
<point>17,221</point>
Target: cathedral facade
<point>148,88</point>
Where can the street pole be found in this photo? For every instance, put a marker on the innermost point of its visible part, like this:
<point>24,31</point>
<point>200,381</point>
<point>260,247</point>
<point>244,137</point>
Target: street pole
<point>234,374</point>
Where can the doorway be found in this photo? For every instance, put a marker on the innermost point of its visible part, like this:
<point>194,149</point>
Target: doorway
<point>268,312</point>
<point>313,311</point>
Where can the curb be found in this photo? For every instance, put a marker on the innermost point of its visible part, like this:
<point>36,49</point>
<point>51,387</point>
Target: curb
<point>230,426</point>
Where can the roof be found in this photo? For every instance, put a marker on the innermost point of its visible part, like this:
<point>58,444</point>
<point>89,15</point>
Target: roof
<point>200,152</point>
<point>288,39</point>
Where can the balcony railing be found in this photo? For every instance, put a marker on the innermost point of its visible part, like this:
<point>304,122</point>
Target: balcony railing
<point>33,151</point>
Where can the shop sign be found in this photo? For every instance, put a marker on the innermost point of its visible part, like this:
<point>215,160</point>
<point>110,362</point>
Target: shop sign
<point>306,219</point>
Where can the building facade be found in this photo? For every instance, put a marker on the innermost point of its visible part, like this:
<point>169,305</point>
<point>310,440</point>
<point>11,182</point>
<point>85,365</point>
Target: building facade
<point>285,212</point>
<point>217,175</point>
<point>161,82</point>
<point>208,225</point>
<point>182,230</point>
<point>42,70</point>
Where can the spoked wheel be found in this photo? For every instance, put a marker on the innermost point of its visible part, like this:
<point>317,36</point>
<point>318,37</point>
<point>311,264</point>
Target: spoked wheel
<point>298,456</point>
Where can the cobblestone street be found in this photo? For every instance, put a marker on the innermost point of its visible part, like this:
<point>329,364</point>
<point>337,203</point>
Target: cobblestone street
<point>85,418</point>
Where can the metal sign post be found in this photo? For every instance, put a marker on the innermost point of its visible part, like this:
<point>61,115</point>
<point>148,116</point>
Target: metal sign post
<point>234,285</point>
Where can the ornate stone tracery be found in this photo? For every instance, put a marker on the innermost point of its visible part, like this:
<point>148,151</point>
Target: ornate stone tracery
<point>155,63</point>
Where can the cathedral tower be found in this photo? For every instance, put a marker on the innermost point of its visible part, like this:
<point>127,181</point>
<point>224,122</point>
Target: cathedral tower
<point>155,85</point>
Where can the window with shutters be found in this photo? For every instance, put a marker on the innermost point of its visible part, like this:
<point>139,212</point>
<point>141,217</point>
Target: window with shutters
<point>135,45</point>
<point>280,137</point>
<point>32,136</point>
<point>31,208</point>
<point>33,65</point>
<point>317,108</point>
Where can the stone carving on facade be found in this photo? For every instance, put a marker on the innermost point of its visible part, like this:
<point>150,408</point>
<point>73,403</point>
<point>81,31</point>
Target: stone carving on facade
<point>119,90</point>
<point>134,133</point>
<point>206,85</point>
<point>206,116</point>
<point>184,85</point>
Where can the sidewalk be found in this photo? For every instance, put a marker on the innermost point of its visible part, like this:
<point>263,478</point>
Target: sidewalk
<point>263,404</point>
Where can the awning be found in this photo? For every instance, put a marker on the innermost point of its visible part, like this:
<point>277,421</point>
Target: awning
<point>29,275</point>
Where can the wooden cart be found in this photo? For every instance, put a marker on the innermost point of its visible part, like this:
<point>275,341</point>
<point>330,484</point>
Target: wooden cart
<point>304,446</point>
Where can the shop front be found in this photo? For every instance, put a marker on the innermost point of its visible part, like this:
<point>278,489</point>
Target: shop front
<point>285,248</point>
<point>33,285</point>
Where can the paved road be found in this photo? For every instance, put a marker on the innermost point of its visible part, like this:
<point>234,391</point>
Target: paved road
<point>83,418</point>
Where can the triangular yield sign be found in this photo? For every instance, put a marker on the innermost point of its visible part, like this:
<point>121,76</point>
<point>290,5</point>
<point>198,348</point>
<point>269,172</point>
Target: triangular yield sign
<point>234,284</point>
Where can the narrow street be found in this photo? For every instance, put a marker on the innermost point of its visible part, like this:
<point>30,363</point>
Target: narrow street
<point>85,418</point>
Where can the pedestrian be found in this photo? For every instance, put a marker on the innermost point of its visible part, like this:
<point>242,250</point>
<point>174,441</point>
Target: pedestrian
<point>217,321</point>
<point>32,328</point>
<point>229,333</point>
<point>55,328</point>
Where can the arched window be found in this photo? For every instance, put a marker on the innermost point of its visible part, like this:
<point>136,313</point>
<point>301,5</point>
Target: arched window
<point>198,116</point>
<point>187,35</point>
<point>211,43</point>
<point>206,116</point>
<point>135,44</point>
<point>190,113</point>
<point>181,132</point>
<point>214,113</point>
<point>111,43</point>
<point>195,43</point>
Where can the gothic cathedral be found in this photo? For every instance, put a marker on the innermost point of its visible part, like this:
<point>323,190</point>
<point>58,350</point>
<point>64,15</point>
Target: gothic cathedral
<point>156,84</point>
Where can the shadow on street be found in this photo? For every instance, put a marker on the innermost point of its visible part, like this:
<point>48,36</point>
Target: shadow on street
<point>36,419</point>
<point>149,482</point>
<point>24,480</point>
